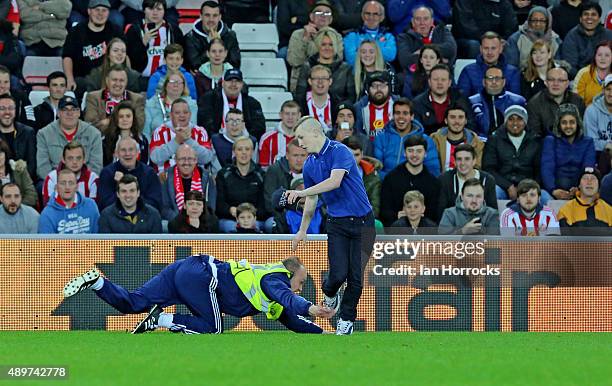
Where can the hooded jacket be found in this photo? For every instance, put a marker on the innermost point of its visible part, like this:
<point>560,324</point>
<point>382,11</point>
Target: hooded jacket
<point>343,80</point>
<point>19,176</point>
<point>82,218</point>
<point>383,37</point>
<point>481,106</point>
<point>578,48</point>
<point>234,189</point>
<point>409,41</point>
<point>587,84</point>
<point>450,189</point>
<point>156,82</point>
<point>389,148</point>
<point>470,80</point>
<point>598,123</point>
<point>455,218</point>
<point>170,209</point>
<point>204,79</point>
<point>113,219</point>
<point>518,46</point>
<point>197,42</point>
<point>542,110</point>
<point>440,138</point>
<point>577,217</point>
<point>299,49</point>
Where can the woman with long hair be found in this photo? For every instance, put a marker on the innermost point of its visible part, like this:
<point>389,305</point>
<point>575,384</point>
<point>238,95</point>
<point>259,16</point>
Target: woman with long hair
<point>157,108</point>
<point>589,80</point>
<point>17,173</point>
<point>415,82</point>
<point>370,59</point>
<point>195,217</point>
<point>123,123</point>
<point>539,62</point>
<point>209,75</point>
<point>115,54</point>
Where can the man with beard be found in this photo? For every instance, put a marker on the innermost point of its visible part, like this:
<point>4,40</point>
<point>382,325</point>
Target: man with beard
<point>20,138</point>
<point>14,217</point>
<point>526,216</point>
<point>375,109</point>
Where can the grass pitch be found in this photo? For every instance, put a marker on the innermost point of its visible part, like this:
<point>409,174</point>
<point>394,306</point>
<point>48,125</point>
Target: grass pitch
<point>283,358</point>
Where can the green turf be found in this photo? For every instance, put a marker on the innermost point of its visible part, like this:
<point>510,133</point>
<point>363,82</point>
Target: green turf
<point>282,358</point>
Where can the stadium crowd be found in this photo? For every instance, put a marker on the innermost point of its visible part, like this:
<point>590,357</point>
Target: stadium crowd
<point>148,129</point>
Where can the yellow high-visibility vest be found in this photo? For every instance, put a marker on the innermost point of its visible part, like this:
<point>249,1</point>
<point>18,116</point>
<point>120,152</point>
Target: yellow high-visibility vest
<point>248,277</point>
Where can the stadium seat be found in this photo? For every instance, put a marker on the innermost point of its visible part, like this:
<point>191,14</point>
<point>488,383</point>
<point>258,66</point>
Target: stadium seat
<point>36,96</point>
<point>257,40</point>
<point>555,205</point>
<point>271,103</point>
<point>459,65</point>
<point>264,74</point>
<point>36,68</point>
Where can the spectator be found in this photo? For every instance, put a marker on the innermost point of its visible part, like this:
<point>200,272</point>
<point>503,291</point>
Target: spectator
<point>68,127</point>
<point>598,118</point>
<point>86,44</point>
<point>491,102</point>
<point>412,218</point>
<point>20,139</point>
<point>455,133</point>
<point>11,53</point>
<point>424,32</point>
<point>241,182</point>
<point>9,11</point>
<point>539,62</point>
<point>388,144</point>
<point>70,212</point>
<point>344,127</point>
<point>179,130</point>
<point>123,124</point>
<point>565,16</point>
<point>148,39</point>
<point>80,13</point>
<point>246,216</point>
<point>589,80</point>
<point>372,15</point>
<point>527,216</point>
<point>273,144</point>
<point>491,46</point>
<point>128,163</point>
<point>522,8</point>
<point>430,106</point>
<point>43,26</point>
<point>14,217</point>
<point>289,217</point>
<point>246,11</point>
<point>319,102</point>
<point>474,18</point>
<point>223,141</point>
<point>470,215</point>
<point>401,13</point>
<point>291,16</point>
<point>512,154</point>
<point>417,75</point>
<point>367,167</point>
<point>214,105</point>
<point>173,57</point>
<point>375,110</point>
<point>46,111</point>
<point>411,175</point>
<point>303,45</point>
<point>157,108</point>
<point>565,154</point>
<point>543,107</point>
<point>348,15</point>
<point>115,56</point>
<point>132,10</point>
<point>452,180</point>
<point>130,214</point>
<point>196,216</point>
<point>586,214</point>
<point>579,45</point>
<point>537,27</point>
<point>210,74</point>
<point>342,85</point>
<point>73,159</point>
<point>12,171</point>
<point>101,103</point>
<point>370,60</point>
<point>210,26</point>
<point>185,176</point>
<point>19,95</point>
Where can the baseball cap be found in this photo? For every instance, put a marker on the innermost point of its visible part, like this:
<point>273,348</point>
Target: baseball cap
<point>67,101</point>
<point>607,80</point>
<point>233,73</point>
<point>99,3</point>
<point>378,76</point>
<point>515,110</point>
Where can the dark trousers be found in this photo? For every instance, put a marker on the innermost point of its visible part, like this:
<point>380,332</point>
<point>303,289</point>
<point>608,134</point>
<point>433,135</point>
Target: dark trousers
<point>349,245</point>
<point>191,282</point>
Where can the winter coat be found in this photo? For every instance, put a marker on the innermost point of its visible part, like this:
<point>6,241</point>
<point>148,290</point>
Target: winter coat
<point>205,81</point>
<point>400,12</point>
<point>578,48</point>
<point>197,42</point>
<point>136,50</point>
<point>372,182</point>
<point>343,80</point>
<point>208,224</point>
<point>234,189</point>
<point>148,181</point>
<point>455,218</point>
<point>506,164</point>
<point>598,123</point>
<point>577,217</point>
<point>564,17</point>
<point>19,176</point>
<point>136,82</point>
<point>112,220</point>
<point>24,147</point>
<point>530,88</point>
<point>450,190</point>
<point>291,16</point>
<point>542,111</point>
<point>518,46</point>
<point>50,142</point>
<point>82,218</point>
<point>109,145</point>
<point>44,114</point>
<point>154,116</point>
<point>156,82</point>
<point>481,104</point>
<point>424,111</point>
<point>347,15</point>
<point>95,111</point>
<point>440,138</point>
<point>472,18</point>
<point>45,24</point>
<point>170,208</point>
<point>409,41</point>
<point>394,82</point>
<point>587,84</point>
<point>384,39</point>
<point>25,221</point>
<point>389,148</point>
<point>299,49</point>
<point>470,80</point>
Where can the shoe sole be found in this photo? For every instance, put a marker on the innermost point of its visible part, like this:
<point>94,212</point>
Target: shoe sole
<point>338,297</point>
<point>81,283</point>
<point>146,319</point>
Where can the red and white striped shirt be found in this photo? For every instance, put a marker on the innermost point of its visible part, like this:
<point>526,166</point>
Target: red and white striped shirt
<point>513,222</point>
<point>155,51</point>
<point>273,145</point>
<point>87,184</point>
<point>165,134</point>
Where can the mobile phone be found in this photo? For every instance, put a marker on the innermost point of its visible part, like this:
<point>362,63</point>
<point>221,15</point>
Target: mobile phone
<point>477,220</point>
<point>150,26</point>
<point>344,125</point>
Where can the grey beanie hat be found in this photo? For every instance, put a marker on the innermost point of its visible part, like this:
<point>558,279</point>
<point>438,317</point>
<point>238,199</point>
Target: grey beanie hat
<point>515,110</point>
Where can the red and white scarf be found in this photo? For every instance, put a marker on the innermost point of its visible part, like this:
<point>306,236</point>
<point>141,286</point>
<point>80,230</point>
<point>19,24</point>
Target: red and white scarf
<point>110,102</point>
<point>155,50</point>
<point>321,114</point>
<point>196,184</point>
<point>379,117</point>
<point>226,106</point>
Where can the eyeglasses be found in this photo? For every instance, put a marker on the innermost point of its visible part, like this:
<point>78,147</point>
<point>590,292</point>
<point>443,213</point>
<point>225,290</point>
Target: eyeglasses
<point>186,159</point>
<point>8,108</point>
<point>322,13</point>
<point>494,78</point>
<point>234,121</point>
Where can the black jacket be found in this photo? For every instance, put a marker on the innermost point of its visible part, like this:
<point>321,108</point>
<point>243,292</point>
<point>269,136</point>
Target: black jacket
<point>347,15</point>
<point>564,18</point>
<point>234,189</point>
<point>208,224</point>
<point>277,176</point>
<point>136,50</point>
<point>449,189</point>
<point>425,113</point>
<point>113,221</point>
<point>507,165</point>
<point>43,115</point>
<point>472,18</point>
<point>286,11</point>
<point>196,46</point>
<point>10,55</point>
<point>24,147</point>
<point>343,80</point>
<point>210,113</point>
<point>542,111</point>
<point>402,226</point>
<point>409,41</point>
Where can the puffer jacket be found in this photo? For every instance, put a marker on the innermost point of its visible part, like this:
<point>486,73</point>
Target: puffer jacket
<point>46,22</point>
<point>470,80</point>
<point>113,220</point>
<point>409,41</point>
<point>482,113</point>
<point>440,139</point>
<point>598,123</point>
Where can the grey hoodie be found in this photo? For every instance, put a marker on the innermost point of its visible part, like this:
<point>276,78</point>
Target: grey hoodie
<point>598,122</point>
<point>453,219</point>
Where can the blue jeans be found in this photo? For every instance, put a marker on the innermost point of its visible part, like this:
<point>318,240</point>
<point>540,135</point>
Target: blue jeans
<point>503,195</point>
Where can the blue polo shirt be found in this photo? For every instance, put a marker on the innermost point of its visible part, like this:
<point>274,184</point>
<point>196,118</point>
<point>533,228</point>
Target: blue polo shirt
<point>350,199</point>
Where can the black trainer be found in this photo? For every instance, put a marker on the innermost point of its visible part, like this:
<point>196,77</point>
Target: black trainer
<point>81,283</point>
<point>149,323</point>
